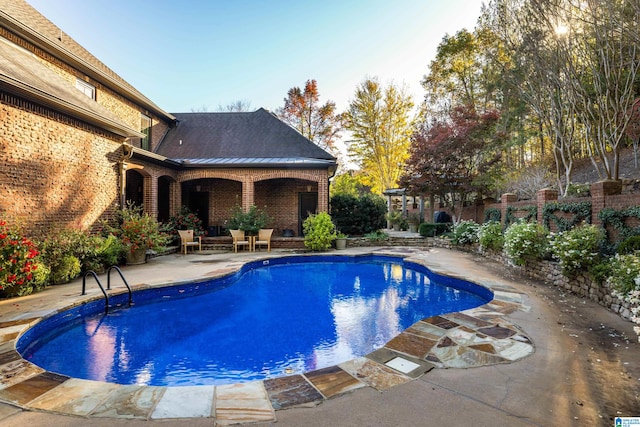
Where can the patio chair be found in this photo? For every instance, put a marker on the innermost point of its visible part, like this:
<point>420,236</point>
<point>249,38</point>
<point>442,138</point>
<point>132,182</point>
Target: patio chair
<point>239,239</point>
<point>187,239</point>
<point>264,238</point>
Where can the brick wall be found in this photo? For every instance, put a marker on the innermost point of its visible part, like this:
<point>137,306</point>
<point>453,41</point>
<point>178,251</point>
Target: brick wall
<point>54,170</point>
<point>604,194</point>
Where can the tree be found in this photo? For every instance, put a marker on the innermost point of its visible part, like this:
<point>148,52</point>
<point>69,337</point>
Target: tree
<point>348,183</point>
<point>380,123</point>
<point>577,64</point>
<point>239,106</point>
<point>450,159</point>
<point>302,111</point>
<point>458,74</point>
<point>537,69</point>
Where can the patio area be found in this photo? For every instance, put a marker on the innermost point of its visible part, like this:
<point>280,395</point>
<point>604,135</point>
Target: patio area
<point>533,356</point>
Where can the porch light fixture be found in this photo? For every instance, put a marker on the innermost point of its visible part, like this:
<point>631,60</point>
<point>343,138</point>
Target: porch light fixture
<point>198,188</point>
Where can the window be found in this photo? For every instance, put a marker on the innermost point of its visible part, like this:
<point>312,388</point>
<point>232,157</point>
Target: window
<point>145,127</point>
<point>86,88</point>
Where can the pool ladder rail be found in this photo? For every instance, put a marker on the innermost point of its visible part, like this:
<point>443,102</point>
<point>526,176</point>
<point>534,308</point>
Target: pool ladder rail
<point>106,296</point>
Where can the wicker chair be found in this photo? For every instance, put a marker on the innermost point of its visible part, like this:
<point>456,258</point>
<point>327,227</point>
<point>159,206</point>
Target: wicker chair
<point>264,238</point>
<point>187,239</point>
<point>239,239</point>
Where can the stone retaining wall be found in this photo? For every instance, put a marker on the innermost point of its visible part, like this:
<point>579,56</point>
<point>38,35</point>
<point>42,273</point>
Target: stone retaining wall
<point>550,273</point>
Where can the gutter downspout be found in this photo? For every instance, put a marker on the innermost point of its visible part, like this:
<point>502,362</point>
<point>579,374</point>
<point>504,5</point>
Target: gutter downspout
<point>127,153</point>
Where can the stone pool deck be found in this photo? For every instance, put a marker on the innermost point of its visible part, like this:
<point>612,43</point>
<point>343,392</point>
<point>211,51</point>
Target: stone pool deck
<point>520,359</point>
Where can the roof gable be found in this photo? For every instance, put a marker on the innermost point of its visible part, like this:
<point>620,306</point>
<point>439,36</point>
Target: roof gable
<point>21,18</point>
<point>23,75</point>
<point>256,135</point>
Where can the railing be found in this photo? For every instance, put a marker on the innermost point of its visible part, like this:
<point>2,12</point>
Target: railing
<point>122,277</point>
<point>106,296</point>
<point>84,282</point>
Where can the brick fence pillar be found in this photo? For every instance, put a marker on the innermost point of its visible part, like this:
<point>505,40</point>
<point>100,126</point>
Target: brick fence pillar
<point>543,196</point>
<point>505,201</point>
<point>599,192</point>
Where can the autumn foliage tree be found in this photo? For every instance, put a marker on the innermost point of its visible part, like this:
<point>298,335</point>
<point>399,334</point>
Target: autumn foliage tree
<point>453,159</point>
<point>302,110</point>
<point>379,119</point>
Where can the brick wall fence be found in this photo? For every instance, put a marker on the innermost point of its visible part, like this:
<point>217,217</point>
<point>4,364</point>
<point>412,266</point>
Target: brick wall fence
<point>604,194</point>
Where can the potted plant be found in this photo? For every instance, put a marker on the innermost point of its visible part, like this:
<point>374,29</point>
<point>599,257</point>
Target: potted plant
<point>138,232</point>
<point>395,218</point>
<point>413,220</point>
<point>341,241</point>
<point>250,222</point>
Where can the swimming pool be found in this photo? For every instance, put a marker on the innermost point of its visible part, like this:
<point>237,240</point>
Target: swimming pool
<point>272,318</point>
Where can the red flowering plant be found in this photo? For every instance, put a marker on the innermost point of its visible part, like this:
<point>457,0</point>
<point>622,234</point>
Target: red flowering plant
<point>184,220</point>
<point>18,261</point>
<point>136,229</point>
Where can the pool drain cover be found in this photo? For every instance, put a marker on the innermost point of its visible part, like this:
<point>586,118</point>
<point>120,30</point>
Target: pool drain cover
<point>403,365</point>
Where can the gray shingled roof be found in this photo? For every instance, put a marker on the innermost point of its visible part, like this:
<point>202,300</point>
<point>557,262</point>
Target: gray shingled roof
<point>19,16</point>
<point>24,75</point>
<point>257,138</point>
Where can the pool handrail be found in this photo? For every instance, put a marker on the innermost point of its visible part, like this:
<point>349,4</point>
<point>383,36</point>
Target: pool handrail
<point>123,279</point>
<point>84,282</point>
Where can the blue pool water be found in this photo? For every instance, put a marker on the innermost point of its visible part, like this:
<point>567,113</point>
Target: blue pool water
<point>273,318</point>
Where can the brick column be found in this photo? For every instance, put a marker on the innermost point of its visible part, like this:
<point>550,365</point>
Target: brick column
<point>150,195</point>
<point>505,201</point>
<point>248,191</point>
<point>175,197</point>
<point>323,195</point>
<point>599,192</point>
<point>543,196</point>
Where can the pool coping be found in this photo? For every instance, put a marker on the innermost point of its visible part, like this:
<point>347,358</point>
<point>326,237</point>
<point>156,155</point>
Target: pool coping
<point>476,337</point>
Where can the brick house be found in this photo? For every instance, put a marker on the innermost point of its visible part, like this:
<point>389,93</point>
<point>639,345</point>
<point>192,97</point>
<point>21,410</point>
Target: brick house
<point>77,141</point>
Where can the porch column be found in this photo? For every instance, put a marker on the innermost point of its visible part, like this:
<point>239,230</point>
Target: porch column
<point>248,187</point>
<point>150,196</point>
<point>323,195</point>
<point>175,197</point>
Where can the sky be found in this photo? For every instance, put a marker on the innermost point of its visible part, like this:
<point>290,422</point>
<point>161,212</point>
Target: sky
<point>199,55</point>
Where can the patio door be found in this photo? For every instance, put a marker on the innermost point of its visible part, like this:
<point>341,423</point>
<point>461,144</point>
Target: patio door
<point>307,204</point>
<point>199,203</point>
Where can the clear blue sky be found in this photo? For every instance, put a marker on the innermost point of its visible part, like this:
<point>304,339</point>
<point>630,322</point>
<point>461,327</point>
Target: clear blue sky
<point>186,55</point>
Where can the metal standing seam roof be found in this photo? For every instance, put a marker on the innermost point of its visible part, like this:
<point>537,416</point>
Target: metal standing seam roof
<point>256,161</point>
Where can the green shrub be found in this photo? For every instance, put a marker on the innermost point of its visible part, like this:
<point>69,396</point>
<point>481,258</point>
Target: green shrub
<point>490,236</point>
<point>577,248</point>
<point>524,241</point>
<point>111,251</point>
<point>319,231</point>
<point>629,245</point>
<point>65,269</point>
<point>429,229</point>
<point>40,276</point>
<point>465,233</point>
<point>624,273</point>
<point>62,250</point>
<point>358,215</point>
<point>377,236</point>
